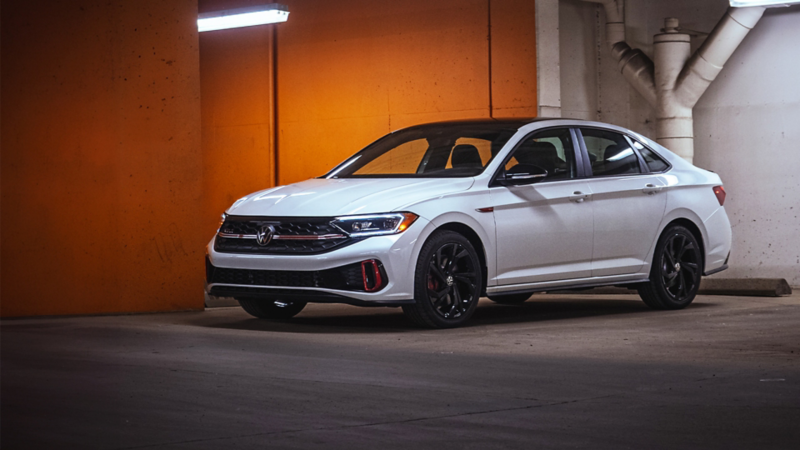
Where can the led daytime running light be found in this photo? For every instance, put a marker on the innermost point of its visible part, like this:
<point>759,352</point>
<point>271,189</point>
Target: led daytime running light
<point>364,226</point>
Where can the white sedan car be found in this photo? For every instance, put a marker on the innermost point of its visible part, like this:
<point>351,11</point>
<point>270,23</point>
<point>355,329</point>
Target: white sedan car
<point>432,217</point>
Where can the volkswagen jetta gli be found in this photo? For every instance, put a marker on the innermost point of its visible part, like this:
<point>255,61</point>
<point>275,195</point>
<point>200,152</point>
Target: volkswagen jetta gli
<point>432,217</point>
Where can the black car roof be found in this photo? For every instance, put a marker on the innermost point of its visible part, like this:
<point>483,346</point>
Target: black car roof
<point>510,123</point>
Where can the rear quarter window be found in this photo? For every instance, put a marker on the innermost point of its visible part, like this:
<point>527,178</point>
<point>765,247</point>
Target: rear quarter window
<point>654,162</point>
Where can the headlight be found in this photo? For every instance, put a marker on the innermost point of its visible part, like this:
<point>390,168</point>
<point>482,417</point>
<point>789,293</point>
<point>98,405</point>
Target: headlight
<point>221,221</point>
<point>375,224</point>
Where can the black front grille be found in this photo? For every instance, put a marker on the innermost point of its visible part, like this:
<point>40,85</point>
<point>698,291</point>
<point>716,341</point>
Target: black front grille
<point>347,277</point>
<point>266,277</point>
<point>243,225</point>
<point>288,226</point>
<point>227,245</point>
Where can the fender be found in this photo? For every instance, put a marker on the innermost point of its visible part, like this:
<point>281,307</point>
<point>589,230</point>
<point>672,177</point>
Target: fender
<point>669,217</point>
<point>462,209</point>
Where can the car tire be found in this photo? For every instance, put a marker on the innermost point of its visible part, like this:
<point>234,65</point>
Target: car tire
<point>510,299</point>
<point>271,309</point>
<point>447,282</point>
<point>676,270</point>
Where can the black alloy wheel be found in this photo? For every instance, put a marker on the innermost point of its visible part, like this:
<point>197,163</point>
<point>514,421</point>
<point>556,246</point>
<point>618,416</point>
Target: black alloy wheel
<point>448,282</point>
<point>271,309</point>
<point>451,280</point>
<point>676,271</point>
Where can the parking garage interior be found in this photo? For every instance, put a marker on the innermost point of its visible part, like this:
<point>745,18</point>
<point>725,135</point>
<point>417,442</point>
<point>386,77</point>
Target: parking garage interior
<point>126,133</point>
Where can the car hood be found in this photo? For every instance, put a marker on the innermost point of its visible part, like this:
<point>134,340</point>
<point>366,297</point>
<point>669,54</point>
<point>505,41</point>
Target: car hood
<point>344,196</point>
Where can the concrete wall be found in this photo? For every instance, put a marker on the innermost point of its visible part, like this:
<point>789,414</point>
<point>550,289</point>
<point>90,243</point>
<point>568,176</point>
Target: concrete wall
<point>353,70</point>
<point>236,71</point>
<point>745,124</point>
<point>750,134</point>
<point>111,193</point>
<point>347,73</point>
<point>579,59</point>
<point>101,163</point>
<point>114,172</point>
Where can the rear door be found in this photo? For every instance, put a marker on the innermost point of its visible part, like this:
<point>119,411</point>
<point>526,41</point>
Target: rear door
<point>628,202</point>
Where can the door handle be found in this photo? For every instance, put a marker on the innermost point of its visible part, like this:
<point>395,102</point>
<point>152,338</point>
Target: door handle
<point>651,189</point>
<point>578,197</point>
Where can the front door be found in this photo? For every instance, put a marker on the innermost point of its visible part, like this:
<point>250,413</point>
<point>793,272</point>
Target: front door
<point>544,230</point>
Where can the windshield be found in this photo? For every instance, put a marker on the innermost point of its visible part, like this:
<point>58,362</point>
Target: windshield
<point>430,151</point>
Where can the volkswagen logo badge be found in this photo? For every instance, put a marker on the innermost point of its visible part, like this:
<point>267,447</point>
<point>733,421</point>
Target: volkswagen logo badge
<point>264,235</point>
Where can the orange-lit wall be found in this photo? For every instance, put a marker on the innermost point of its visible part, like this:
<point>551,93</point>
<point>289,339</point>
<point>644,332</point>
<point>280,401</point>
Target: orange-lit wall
<point>350,71</point>
<point>101,159</point>
<point>236,73</point>
<point>125,134</point>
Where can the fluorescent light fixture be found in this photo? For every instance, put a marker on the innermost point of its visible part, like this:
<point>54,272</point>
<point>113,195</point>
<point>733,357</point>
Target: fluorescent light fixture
<point>242,17</point>
<point>766,3</point>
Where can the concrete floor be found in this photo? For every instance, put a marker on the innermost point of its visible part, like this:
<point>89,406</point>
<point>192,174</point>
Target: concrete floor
<point>577,371</point>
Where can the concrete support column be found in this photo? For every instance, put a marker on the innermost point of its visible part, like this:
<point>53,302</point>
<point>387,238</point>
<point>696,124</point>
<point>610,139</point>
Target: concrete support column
<point>676,82</point>
<point>548,66</point>
<point>674,126</point>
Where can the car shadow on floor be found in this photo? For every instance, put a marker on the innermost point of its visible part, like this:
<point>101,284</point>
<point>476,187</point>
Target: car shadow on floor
<point>348,319</point>
<point>562,307</point>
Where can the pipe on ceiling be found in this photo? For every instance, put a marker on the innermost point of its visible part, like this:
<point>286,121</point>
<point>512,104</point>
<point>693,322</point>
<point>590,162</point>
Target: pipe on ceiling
<point>676,81</point>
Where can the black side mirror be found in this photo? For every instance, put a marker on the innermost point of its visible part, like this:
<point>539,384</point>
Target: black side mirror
<point>522,174</point>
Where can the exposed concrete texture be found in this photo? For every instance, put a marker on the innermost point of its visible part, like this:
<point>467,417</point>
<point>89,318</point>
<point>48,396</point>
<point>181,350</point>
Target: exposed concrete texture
<point>236,70</point>
<point>761,287</point>
<point>749,135</point>
<point>102,170</point>
<point>556,372</point>
<point>578,29</point>
<point>351,71</point>
<point>744,124</point>
<point>548,69</point>
<point>514,49</point>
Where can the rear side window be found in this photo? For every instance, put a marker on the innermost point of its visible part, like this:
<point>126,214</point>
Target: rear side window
<point>609,153</point>
<point>654,162</point>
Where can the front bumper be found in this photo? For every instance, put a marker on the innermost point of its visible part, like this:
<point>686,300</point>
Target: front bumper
<point>396,253</point>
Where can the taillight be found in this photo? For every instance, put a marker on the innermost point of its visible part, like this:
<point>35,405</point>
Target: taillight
<point>719,191</point>
<point>371,274</point>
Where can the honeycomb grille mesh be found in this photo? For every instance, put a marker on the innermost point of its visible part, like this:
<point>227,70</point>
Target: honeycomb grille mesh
<point>301,227</point>
<point>283,226</point>
<point>347,277</point>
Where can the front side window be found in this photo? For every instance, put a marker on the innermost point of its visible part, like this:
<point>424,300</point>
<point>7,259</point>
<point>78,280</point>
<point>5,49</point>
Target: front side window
<point>609,153</point>
<point>550,150</point>
<point>430,151</point>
